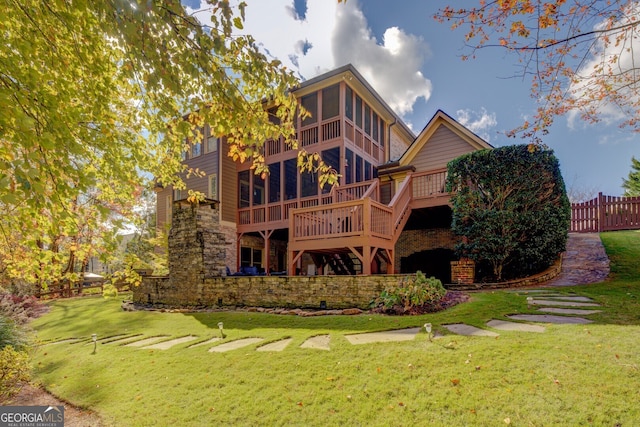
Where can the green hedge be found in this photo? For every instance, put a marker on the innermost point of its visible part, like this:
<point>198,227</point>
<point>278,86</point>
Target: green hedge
<point>511,209</point>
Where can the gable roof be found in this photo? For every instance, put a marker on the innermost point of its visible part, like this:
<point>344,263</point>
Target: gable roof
<point>440,118</point>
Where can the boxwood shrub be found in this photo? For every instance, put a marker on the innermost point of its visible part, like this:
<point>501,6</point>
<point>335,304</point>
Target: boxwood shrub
<point>510,208</point>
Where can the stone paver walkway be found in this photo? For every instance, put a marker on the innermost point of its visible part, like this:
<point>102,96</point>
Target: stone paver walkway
<point>575,311</point>
<point>384,336</point>
<point>550,318</point>
<point>319,342</point>
<point>584,262</point>
<point>503,325</point>
<point>234,345</point>
<point>166,345</point>
<point>468,330</point>
<point>275,346</point>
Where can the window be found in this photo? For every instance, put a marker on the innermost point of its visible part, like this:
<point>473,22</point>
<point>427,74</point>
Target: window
<point>308,184</point>
<point>250,256</point>
<point>177,194</point>
<point>274,182</point>
<point>258,190</point>
<point>382,133</point>
<point>213,186</point>
<point>348,104</point>
<point>367,119</point>
<point>310,103</point>
<point>358,169</point>
<point>330,102</point>
<point>291,179</point>
<point>196,149</point>
<point>348,166</point>
<point>211,145</point>
<point>358,111</point>
<point>243,189</point>
<point>367,171</point>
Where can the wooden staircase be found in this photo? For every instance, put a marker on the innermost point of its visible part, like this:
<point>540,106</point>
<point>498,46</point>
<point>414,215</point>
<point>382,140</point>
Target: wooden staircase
<point>355,225</point>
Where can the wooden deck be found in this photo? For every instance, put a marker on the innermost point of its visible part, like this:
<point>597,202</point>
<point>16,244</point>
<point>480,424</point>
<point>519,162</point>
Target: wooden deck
<point>368,228</point>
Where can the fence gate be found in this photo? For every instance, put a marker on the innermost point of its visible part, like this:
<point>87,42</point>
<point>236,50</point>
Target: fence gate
<point>605,213</point>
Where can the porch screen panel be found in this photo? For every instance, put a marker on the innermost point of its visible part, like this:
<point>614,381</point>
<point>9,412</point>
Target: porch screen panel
<point>310,103</point>
<point>348,104</point>
<point>348,166</point>
<point>330,102</point>
<point>243,189</point>
<point>332,158</point>
<point>290,179</point>
<point>308,184</point>
<point>274,182</point>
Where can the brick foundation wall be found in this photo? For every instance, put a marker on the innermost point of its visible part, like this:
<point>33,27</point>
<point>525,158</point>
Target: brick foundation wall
<point>265,291</point>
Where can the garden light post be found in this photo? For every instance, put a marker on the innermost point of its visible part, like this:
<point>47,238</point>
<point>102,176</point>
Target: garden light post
<point>427,327</point>
<point>221,326</point>
<point>94,338</point>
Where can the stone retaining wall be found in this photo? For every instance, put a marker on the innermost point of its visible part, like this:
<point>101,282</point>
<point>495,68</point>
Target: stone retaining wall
<point>331,292</point>
<point>535,280</point>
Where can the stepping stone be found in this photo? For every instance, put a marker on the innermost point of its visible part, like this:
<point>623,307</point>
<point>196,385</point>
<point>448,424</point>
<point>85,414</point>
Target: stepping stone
<point>234,345</point>
<point>514,326</point>
<point>563,303</point>
<point>64,341</point>
<point>383,336</point>
<point>468,330</point>
<point>570,298</point>
<point>145,341</point>
<point>319,342</point>
<point>548,318</point>
<point>209,341</point>
<point>165,345</point>
<point>275,346</point>
<point>118,338</point>
<point>568,311</point>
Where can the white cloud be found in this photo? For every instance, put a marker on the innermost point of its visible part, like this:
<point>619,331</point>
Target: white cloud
<point>478,122</point>
<point>609,72</point>
<point>392,68</point>
<point>333,34</point>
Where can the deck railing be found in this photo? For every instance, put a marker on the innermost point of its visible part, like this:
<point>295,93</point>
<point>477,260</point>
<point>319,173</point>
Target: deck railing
<point>340,220</point>
<point>341,211</point>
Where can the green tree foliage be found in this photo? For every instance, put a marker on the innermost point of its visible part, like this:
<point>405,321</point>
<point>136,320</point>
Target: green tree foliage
<point>631,185</point>
<point>14,371</point>
<point>579,55</point>
<point>510,207</point>
<point>96,97</point>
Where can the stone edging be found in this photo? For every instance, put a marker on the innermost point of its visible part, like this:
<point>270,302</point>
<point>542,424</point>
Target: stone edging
<point>535,280</point>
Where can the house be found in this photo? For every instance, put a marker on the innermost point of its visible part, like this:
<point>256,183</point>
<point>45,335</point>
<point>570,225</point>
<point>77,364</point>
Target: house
<point>389,214</point>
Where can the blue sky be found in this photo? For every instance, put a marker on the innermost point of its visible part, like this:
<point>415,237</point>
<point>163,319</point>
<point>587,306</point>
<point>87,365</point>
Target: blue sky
<point>414,63</point>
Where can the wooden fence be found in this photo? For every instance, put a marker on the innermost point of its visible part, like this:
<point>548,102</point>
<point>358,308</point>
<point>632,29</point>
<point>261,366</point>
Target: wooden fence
<point>605,213</point>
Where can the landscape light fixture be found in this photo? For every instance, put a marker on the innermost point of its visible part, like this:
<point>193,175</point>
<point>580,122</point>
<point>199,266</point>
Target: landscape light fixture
<point>427,327</point>
<point>221,326</point>
<point>94,338</point>
<point>529,301</point>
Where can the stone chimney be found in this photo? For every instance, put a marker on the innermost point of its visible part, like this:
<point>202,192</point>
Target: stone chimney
<point>196,245</point>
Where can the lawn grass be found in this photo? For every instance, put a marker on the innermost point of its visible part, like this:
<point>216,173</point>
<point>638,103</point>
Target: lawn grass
<point>569,375</point>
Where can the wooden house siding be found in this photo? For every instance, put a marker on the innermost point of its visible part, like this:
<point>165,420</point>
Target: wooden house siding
<point>228,186</point>
<point>207,163</point>
<point>441,148</point>
<point>397,145</point>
